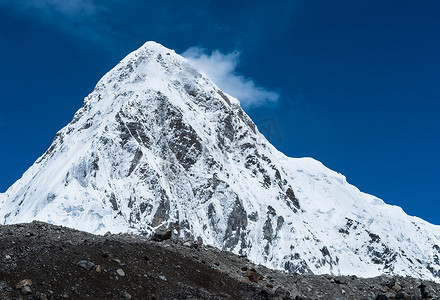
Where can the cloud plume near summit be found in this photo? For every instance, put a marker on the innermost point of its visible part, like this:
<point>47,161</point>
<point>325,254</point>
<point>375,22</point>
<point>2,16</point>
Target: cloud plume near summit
<point>222,69</point>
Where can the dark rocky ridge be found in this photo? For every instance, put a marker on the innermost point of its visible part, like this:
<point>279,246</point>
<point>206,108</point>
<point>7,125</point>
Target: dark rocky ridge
<point>43,261</point>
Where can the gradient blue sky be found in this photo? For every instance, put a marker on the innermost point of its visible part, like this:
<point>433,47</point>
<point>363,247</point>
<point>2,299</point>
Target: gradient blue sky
<point>354,84</point>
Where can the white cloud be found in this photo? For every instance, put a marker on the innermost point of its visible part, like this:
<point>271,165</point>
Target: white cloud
<point>221,68</point>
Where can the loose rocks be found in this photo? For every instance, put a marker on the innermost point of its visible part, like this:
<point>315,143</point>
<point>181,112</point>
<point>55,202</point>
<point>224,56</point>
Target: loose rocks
<point>78,265</point>
<point>85,264</point>
<point>126,296</point>
<point>23,283</point>
<point>26,290</point>
<point>162,234</point>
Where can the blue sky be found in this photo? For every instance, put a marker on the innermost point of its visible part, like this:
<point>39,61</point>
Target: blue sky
<point>354,84</point>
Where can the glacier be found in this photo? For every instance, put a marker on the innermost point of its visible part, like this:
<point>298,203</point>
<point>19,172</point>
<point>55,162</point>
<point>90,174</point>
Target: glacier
<point>158,145</point>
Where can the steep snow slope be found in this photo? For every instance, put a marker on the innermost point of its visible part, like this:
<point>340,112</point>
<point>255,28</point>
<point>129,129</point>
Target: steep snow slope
<point>158,144</point>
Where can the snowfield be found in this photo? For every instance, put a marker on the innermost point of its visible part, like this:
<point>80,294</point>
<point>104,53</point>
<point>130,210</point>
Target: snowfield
<point>158,144</point>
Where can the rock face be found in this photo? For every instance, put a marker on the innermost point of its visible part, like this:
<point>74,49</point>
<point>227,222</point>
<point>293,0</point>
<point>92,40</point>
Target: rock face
<point>157,145</point>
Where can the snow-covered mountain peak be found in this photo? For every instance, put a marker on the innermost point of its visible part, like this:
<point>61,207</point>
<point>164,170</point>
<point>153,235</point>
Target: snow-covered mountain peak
<point>152,68</point>
<point>158,144</point>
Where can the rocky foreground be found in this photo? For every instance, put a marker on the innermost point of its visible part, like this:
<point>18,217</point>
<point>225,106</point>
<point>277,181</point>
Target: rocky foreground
<point>43,261</point>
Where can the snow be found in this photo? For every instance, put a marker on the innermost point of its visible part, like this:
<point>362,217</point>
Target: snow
<point>156,143</point>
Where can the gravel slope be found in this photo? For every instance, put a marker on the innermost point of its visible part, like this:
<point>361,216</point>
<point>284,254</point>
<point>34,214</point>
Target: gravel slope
<point>43,261</point>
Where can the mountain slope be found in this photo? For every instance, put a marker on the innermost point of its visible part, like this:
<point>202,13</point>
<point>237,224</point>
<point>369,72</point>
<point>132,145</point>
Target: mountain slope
<point>157,144</point>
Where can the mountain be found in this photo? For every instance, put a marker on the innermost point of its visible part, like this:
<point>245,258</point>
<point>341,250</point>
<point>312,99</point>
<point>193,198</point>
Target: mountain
<point>158,145</point>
